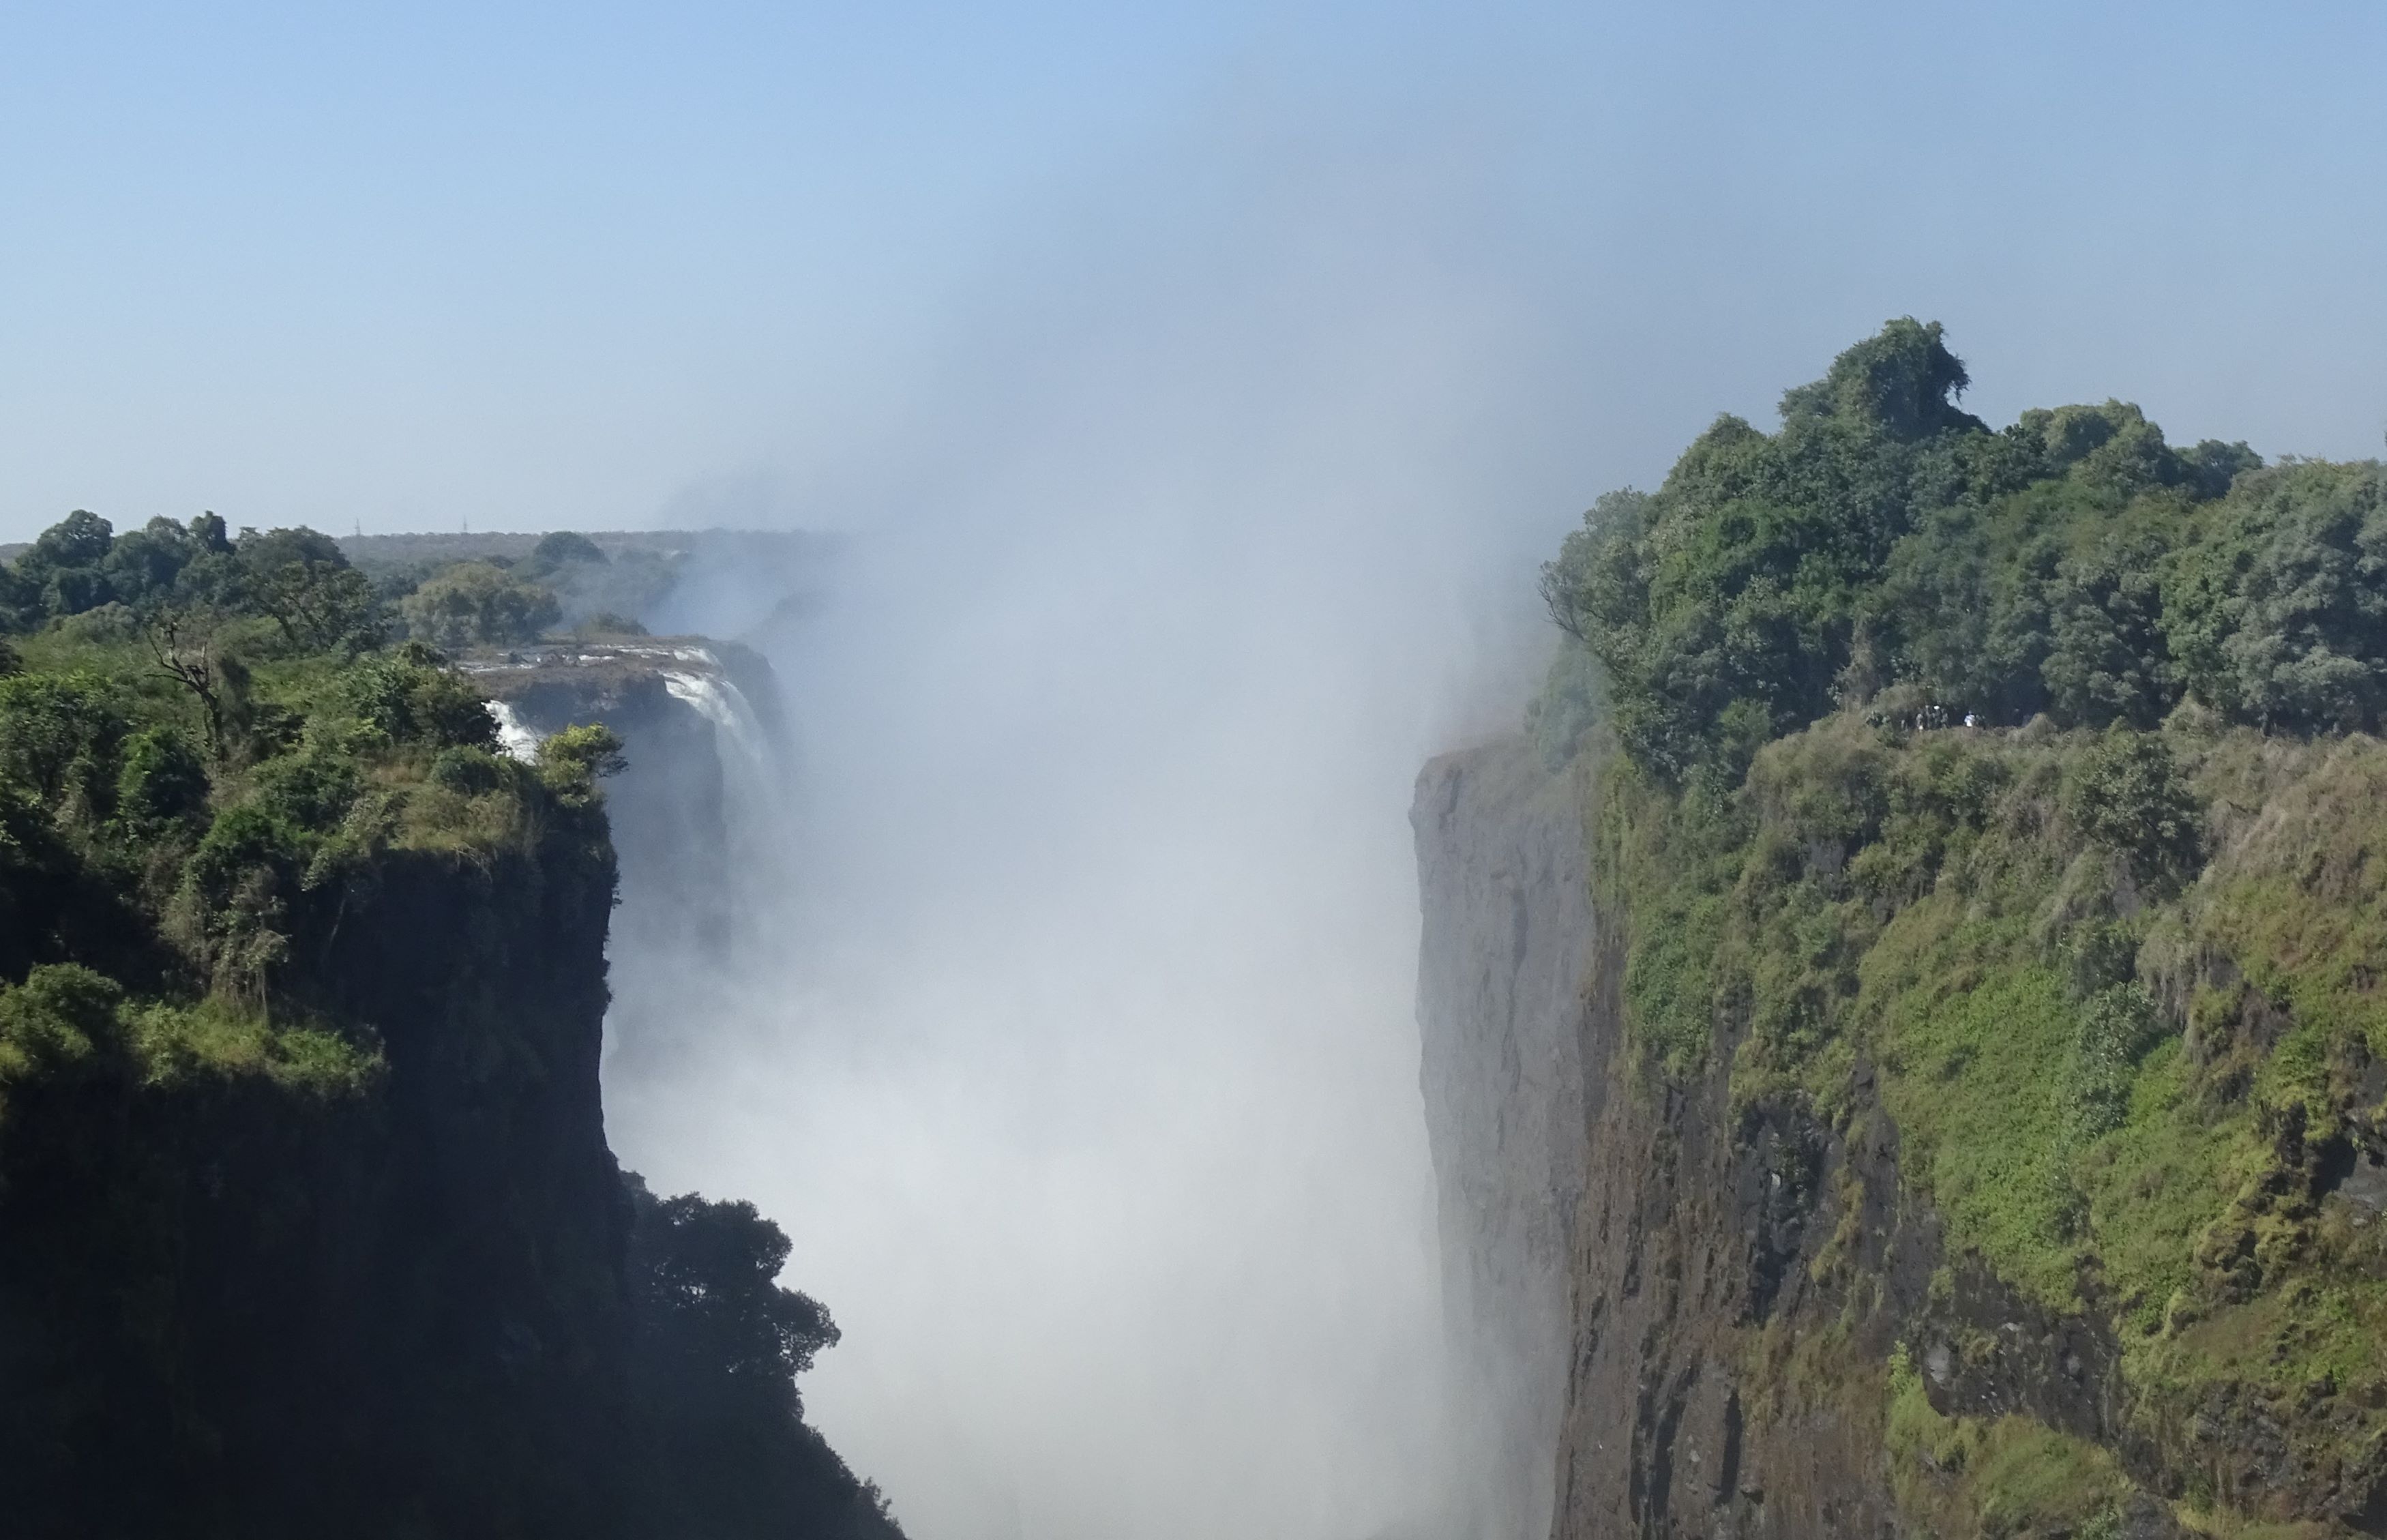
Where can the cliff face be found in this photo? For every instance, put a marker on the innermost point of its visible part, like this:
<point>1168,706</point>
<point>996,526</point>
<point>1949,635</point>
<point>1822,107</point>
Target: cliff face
<point>408,1281</point>
<point>1506,892</point>
<point>1690,1264</point>
<point>2022,1179</point>
<point>1631,1265</point>
<point>1983,1037</point>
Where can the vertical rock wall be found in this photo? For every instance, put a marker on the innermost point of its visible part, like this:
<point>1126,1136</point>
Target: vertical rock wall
<point>1615,1251</point>
<point>1506,896</point>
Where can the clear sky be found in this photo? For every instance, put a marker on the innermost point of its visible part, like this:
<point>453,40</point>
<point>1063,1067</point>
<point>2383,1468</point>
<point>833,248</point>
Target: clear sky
<point>607,266</point>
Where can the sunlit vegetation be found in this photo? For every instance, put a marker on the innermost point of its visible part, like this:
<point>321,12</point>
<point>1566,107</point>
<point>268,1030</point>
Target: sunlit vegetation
<point>2019,779</point>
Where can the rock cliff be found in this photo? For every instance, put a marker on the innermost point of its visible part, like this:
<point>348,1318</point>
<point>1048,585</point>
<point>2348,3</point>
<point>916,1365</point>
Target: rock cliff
<point>1630,1263</point>
<point>1945,1279</point>
<point>308,1224</point>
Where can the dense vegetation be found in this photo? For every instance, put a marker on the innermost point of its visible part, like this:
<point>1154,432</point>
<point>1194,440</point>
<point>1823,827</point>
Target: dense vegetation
<point>2072,563</point>
<point>2019,783</point>
<point>311,1225</point>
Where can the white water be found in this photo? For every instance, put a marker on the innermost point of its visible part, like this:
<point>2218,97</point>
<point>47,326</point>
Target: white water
<point>725,705</point>
<point>516,739</point>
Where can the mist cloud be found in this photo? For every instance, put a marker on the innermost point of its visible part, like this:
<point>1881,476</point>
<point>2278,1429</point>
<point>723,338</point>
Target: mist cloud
<point>1086,1077</point>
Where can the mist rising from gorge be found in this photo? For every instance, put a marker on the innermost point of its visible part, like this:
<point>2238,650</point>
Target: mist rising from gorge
<point>1083,1069</point>
<point>1084,1072</point>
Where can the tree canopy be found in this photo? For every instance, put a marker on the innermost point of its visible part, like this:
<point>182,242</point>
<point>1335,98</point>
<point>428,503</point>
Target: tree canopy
<point>2072,563</point>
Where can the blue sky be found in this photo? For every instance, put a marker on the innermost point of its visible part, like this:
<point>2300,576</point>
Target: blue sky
<point>615,266</point>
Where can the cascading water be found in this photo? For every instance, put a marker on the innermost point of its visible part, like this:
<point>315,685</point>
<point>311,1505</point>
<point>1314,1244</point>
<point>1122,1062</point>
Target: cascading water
<point>516,739</point>
<point>753,776</point>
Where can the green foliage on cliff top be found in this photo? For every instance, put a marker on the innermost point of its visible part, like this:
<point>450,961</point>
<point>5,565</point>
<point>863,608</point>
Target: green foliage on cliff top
<point>216,795</point>
<point>2072,563</point>
<point>2127,1076</point>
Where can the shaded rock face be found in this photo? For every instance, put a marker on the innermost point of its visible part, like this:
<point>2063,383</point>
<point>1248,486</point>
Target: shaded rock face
<point>400,1311</point>
<point>1690,1409</point>
<point>1501,977</point>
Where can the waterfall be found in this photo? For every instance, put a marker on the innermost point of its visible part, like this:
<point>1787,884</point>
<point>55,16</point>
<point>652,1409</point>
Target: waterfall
<point>725,705</point>
<point>516,739</point>
<point>752,794</point>
<point>700,816</point>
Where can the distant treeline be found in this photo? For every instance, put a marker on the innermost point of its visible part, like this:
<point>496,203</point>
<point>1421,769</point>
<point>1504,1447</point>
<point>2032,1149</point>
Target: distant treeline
<point>449,590</point>
<point>80,573</point>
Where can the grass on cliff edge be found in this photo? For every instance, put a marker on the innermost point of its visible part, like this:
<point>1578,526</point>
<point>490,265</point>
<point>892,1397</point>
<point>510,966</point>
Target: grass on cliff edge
<point>2120,993</point>
<point>1996,1476</point>
<point>182,845</point>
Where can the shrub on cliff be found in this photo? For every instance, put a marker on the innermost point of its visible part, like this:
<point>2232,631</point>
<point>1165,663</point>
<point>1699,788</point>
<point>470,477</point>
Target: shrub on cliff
<point>411,697</point>
<point>572,760</point>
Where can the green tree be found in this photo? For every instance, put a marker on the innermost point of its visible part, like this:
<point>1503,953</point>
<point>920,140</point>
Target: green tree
<point>473,602</point>
<point>58,742</point>
<point>302,579</point>
<point>145,563</point>
<point>2282,612</point>
<point>1727,606</point>
<point>161,778</point>
<point>63,574</point>
<point>562,548</point>
<point>2107,659</point>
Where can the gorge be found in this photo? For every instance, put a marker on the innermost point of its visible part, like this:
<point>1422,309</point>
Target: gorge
<point>1896,1039</point>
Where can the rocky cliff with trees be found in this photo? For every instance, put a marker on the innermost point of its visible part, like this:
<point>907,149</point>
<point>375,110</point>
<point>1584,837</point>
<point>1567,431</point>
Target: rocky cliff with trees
<point>311,1225</point>
<point>1976,887</point>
